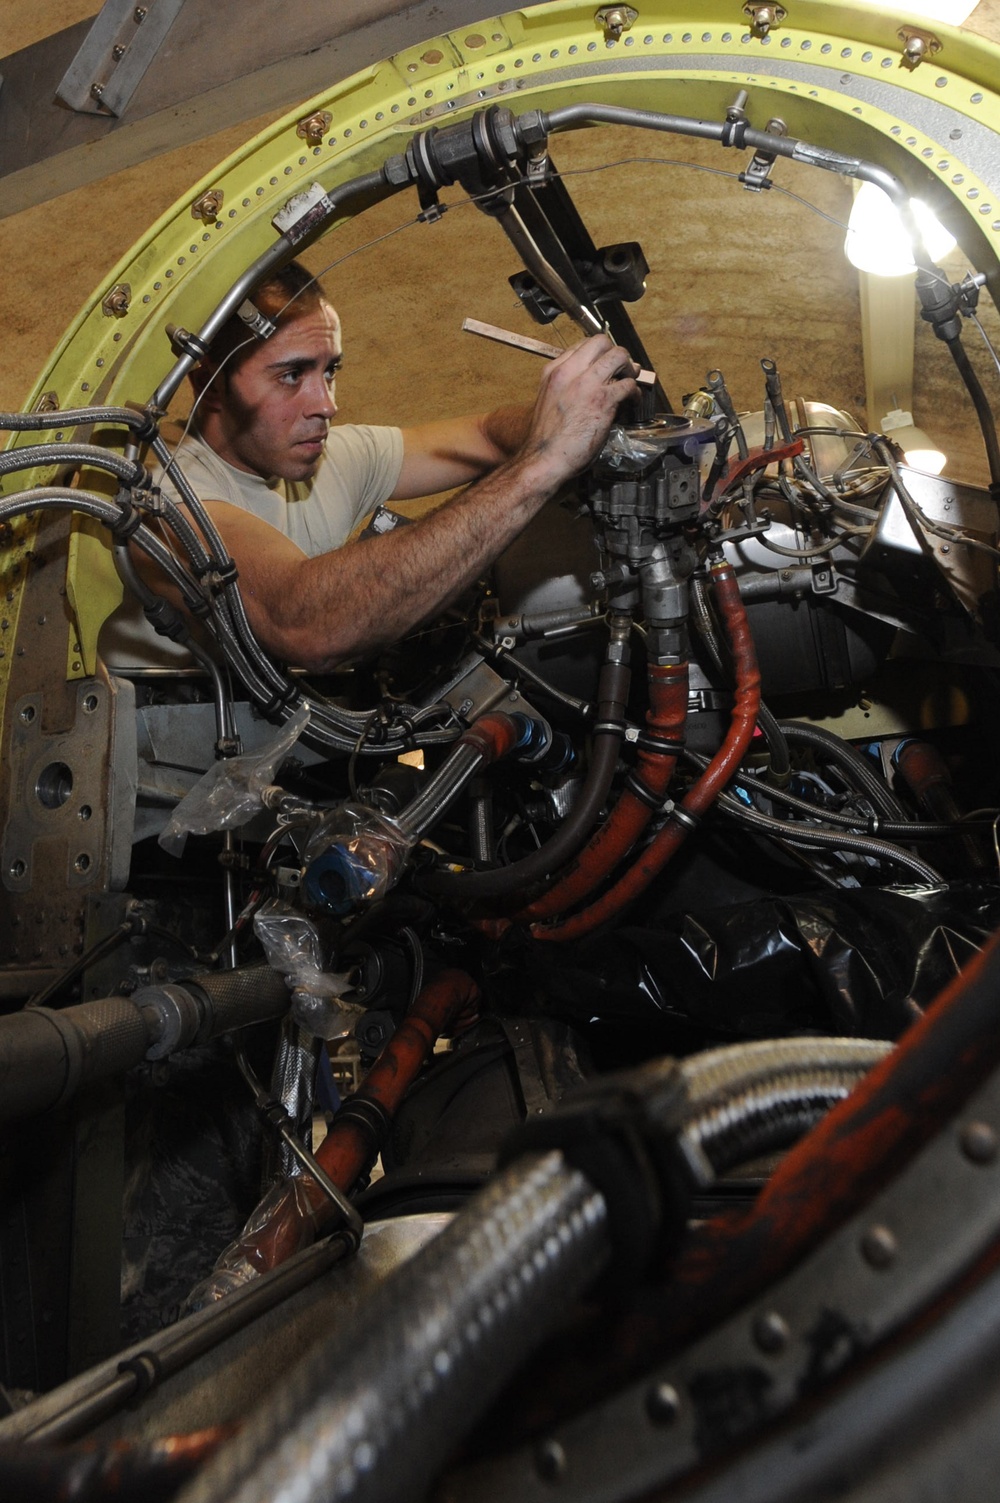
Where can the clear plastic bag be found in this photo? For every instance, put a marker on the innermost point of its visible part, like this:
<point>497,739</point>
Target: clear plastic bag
<point>354,855</point>
<point>229,793</point>
<point>292,947</point>
<point>287,1211</point>
<point>633,451</point>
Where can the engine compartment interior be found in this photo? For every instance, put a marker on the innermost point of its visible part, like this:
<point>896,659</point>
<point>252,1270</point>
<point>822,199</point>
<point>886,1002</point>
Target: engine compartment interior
<point>523,1003</point>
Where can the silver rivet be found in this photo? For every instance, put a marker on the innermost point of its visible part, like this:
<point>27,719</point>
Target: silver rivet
<point>550,1461</point>
<point>663,1403</point>
<point>878,1246</point>
<point>979,1142</point>
<point>770,1331</point>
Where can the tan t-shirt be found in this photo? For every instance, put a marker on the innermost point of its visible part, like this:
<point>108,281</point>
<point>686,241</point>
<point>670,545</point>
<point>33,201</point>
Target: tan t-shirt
<point>358,472</point>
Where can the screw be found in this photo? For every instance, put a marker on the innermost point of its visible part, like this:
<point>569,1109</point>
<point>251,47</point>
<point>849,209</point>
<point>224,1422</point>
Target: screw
<point>663,1403</point>
<point>878,1247</point>
<point>615,21</point>
<point>550,1461</point>
<point>770,1332</point>
<point>97,90</point>
<point>118,52</point>
<point>979,1142</point>
<point>139,14</point>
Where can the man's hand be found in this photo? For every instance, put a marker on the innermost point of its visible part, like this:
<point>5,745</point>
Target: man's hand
<point>578,397</point>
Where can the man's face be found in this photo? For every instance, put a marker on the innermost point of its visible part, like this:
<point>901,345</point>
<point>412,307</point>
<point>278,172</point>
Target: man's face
<point>272,414</point>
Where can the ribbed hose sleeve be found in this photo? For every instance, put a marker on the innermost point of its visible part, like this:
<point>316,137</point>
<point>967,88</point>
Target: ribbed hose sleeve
<point>250,994</point>
<point>738,1066</point>
<point>372,1413</point>
<point>852,763</point>
<point>753,1099</point>
<point>764,1118</point>
<point>46,1056</point>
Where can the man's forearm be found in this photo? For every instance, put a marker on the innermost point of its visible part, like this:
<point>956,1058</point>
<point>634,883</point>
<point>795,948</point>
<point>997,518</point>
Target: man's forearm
<point>318,611</point>
<point>506,428</point>
<point>372,591</point>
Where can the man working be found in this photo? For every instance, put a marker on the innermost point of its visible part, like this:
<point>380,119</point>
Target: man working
<point>286,490</point>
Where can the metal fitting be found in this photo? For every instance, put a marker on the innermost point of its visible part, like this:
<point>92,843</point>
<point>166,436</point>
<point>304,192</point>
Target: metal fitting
<point>172,1017</point>
<point>763,18</point>
<point>917,44</point>
<point>614,19</point>
<point>206,208</point>
<point>118,301</point>
<point>314,127</point>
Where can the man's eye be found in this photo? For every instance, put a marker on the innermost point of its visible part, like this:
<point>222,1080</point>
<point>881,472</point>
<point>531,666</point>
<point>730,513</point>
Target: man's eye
<point>290,378</point>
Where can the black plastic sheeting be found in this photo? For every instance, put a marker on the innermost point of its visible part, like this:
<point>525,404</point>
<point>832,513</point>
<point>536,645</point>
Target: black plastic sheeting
<point>855,962</point>
<point>193,1175</point>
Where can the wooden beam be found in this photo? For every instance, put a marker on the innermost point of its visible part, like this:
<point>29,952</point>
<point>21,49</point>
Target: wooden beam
<point>207,75</point>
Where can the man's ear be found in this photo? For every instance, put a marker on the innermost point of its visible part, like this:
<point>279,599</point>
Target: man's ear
<point>206,382</point>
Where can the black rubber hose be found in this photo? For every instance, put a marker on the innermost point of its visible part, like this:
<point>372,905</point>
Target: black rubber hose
<point>984,412</point>
<point>541,865</point>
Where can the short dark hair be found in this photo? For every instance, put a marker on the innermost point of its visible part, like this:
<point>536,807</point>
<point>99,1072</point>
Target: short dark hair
<point>285,295</point>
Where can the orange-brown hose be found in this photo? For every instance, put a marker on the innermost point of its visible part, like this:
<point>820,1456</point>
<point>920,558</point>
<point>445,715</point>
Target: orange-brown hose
<point>668,695</point>
<point>700,798</point>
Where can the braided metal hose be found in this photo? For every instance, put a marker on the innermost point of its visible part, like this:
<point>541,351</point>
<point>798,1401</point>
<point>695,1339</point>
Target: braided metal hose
<point>372,1413</point>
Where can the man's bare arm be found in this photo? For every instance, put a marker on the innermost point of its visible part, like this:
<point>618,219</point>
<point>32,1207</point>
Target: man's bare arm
<point>317,612</point>
<point>441,455</point>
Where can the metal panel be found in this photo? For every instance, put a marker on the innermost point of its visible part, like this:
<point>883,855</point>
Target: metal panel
<point>119,48</point>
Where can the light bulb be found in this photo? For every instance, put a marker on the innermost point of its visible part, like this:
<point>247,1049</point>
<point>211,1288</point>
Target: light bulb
<point>877,241</point>
<point>917,447</point>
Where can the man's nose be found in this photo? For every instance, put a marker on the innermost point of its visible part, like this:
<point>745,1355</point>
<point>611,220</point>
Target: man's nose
<point>321,399</point>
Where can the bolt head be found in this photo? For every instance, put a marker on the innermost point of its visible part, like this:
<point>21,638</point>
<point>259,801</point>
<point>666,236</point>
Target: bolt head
<point>550,1461</point>
<point>771,1332</point>
<point>979,1142</point>
<point>663,1403</point>
<point>879,1247</point>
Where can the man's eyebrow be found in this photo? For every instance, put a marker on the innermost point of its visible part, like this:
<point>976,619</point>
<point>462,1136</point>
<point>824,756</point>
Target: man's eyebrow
<point>291,361</point>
